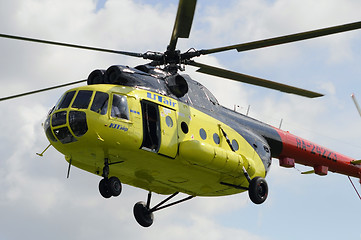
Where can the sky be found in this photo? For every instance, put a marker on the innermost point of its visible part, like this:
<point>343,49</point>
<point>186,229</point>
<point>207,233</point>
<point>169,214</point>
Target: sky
<point>38,202</point>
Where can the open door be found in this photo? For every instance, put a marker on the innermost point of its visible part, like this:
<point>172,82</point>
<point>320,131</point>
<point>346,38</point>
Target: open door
<point>169,133</point>
<point>159,129</point>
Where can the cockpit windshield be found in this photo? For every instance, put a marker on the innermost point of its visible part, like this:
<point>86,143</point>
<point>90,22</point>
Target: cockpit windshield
<point>83,98</point>
<point>65,102</point>
<point>68,120</point>
<point>100,103</point>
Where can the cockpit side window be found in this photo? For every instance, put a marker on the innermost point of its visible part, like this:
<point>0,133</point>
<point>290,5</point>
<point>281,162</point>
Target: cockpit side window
<point>82,100</point>
<point>65,102</point>
<point>100,103</point>
<point>120,107</point>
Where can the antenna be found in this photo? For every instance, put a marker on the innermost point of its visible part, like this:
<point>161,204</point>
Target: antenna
<point>249,106</point>
<point>356,103</point>
<point>281,123</point>
<point>235,106</point>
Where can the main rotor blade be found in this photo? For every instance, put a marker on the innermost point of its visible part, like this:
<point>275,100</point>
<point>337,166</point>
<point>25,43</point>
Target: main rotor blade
<point>286,39</point>
<point>183,22</point>
<point>40,90</point>
<point>219,72</point>
<point>70,45</point>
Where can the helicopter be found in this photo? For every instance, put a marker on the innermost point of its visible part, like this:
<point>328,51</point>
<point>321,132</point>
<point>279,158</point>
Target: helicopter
<point>126,116</point>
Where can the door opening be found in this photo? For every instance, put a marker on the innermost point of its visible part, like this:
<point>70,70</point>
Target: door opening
<point>151,126</point>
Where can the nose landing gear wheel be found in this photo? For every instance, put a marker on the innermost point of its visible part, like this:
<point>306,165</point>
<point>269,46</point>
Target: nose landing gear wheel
<point>104,189</point>
<point>114,186</point>
<point>110,187</point>
<point>142,214</point>
<point>258,190</point>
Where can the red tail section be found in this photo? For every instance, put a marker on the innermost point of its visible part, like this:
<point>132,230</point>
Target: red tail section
<point>299,150</point>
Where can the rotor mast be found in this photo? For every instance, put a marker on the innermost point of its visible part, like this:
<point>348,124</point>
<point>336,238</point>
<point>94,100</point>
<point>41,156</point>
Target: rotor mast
<point>181,29</point>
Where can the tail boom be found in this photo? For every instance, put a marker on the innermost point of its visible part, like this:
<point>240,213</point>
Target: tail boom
<point>302,151</point>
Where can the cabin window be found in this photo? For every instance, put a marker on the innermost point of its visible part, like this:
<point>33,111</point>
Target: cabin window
<point>235,145</point>
<point>65,102</point>
<point>184,127</point>
<point>169,121</point>
<point>82,100</point>
<point>216,139</point>
<point>100,103</point>
<point>120,107</point>
<point>202,133</point>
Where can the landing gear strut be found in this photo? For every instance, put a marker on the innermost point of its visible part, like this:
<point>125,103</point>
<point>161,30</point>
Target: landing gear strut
<point>258,188</point>
<point>109,187</point>
<point>144,214</point>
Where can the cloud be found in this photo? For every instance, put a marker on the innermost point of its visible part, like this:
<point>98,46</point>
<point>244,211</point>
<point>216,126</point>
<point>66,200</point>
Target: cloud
<point>42,203</point>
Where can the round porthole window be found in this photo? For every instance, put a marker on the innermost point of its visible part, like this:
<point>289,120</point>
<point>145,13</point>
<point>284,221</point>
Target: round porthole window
<point>169,121</point>
<point>203,133</point>
<point>216,138</point>
<point>235,145</point>
<point>184,127</point>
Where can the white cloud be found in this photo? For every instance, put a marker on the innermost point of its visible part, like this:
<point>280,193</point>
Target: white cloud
<point>39,200</point>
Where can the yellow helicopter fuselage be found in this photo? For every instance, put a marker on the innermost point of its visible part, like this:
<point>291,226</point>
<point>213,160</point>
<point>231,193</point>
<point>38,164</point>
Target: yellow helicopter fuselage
<point>155,142</point>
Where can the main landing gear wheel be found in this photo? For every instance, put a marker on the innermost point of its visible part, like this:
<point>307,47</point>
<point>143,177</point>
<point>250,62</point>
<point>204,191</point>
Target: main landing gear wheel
<point>142,214</point>
<point>110,187</point>
<point>258,190</point>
